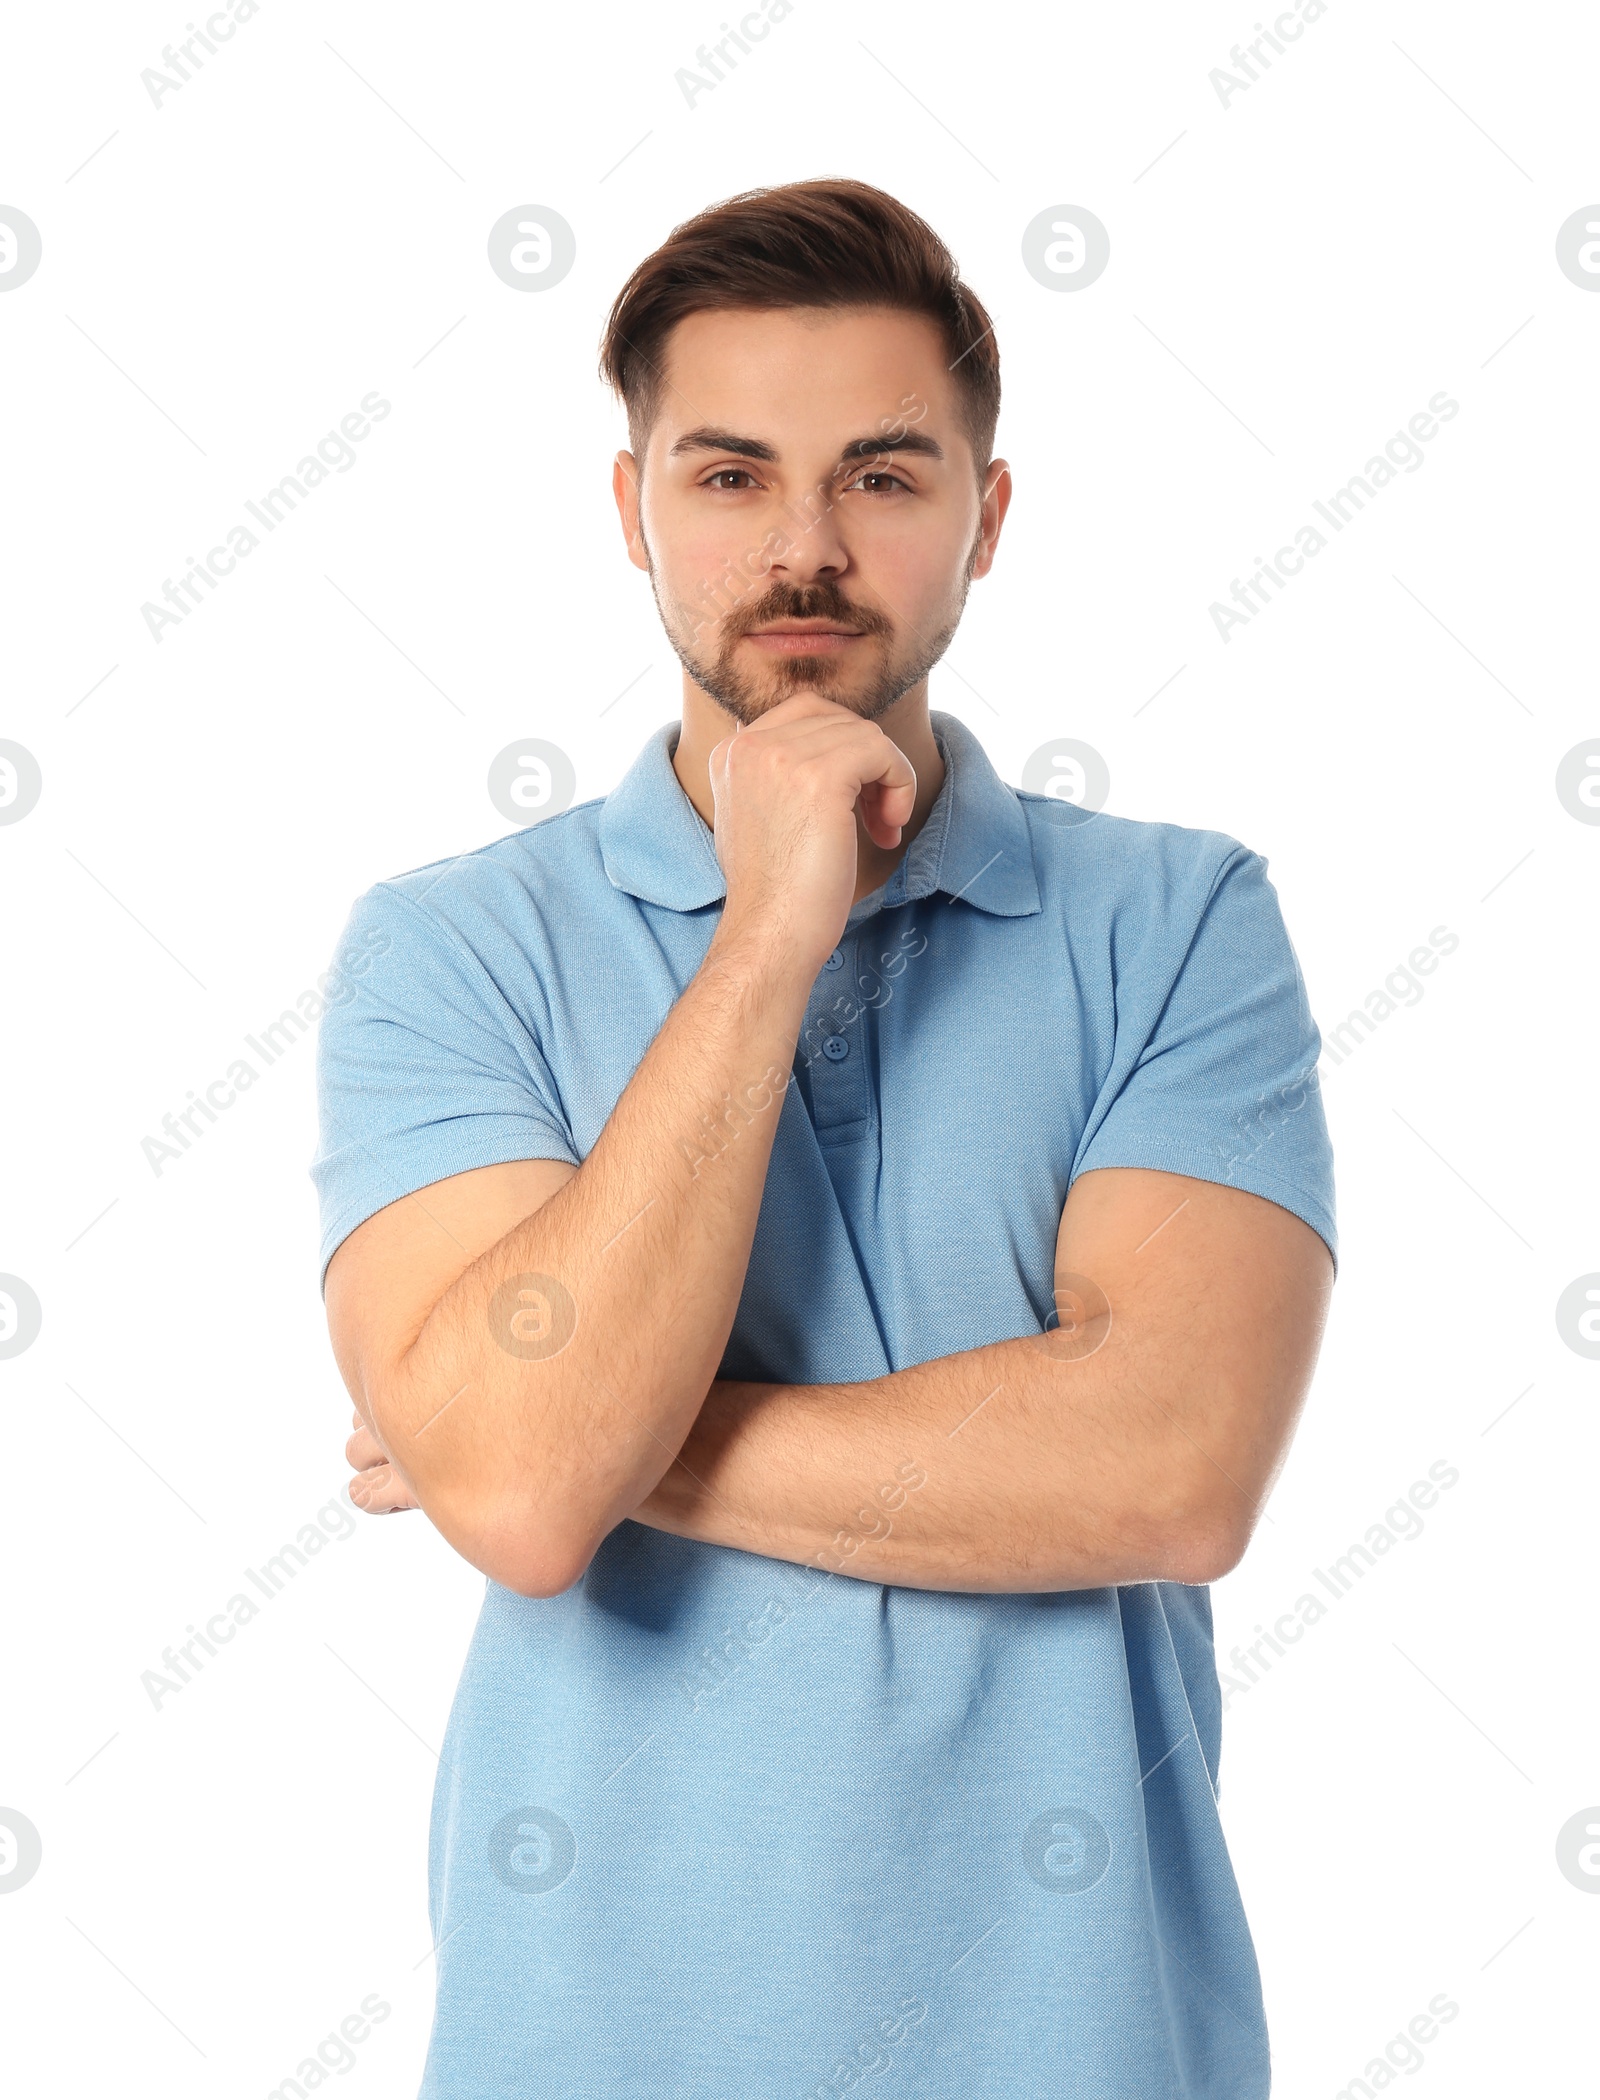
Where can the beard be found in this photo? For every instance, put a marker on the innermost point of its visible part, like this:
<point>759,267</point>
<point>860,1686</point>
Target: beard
<point>746,695</point>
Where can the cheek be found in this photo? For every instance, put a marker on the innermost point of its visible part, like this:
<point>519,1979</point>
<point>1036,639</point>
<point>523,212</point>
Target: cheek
<point>917,566</point>
<point>694,554</point>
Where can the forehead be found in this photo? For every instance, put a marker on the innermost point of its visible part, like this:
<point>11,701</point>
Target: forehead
<point>816,375</point>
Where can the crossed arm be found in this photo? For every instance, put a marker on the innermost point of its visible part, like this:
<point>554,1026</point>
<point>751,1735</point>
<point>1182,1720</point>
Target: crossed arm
<point>1134,1442</point>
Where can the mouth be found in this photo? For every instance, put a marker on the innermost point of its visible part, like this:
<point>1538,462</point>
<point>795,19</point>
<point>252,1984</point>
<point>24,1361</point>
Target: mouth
<point>803,638</point>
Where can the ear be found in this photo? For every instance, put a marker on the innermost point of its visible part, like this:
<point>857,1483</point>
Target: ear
<point>625,488</point>
<point>996,501</point>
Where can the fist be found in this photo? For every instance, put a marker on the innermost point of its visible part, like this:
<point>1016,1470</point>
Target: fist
<point>793,792</point>
<point>377,1487</point>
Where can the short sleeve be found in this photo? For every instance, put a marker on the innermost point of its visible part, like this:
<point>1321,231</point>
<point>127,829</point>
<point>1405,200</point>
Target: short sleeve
<point>423,1068</point>
<point>1215,1070</point>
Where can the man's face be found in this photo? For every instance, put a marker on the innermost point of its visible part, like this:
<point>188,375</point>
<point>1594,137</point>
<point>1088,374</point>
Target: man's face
<point>809,513</point>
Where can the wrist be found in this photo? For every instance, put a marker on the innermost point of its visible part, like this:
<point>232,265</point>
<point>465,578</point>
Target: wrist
<point>768,953</point>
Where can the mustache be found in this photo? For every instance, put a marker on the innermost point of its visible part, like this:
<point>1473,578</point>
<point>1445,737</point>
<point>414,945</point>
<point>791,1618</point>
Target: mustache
<point>817,601</point>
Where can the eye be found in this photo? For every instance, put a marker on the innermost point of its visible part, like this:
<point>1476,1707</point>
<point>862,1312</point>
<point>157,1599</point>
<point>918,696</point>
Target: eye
<point>878,474</point>
<point>722,473</point>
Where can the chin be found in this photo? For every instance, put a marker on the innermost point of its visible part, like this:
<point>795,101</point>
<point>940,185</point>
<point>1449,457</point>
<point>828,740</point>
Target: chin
<point>747,703</point>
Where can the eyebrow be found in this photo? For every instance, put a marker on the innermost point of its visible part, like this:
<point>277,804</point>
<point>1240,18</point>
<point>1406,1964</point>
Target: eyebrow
<point>706,439</point>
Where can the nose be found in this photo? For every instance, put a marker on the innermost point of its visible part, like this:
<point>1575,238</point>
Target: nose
<point>810,547</point>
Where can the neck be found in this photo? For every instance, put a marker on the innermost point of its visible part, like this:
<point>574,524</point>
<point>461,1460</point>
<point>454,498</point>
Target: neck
<point>906,725</point>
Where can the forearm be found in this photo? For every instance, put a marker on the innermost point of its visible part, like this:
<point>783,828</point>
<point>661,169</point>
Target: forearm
<point>552,1383</point>
<point>1135,1440</point>
<point>999,1469</point>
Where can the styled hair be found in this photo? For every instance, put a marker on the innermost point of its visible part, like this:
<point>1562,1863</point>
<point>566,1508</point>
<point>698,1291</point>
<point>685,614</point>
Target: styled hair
<point>830,243</point>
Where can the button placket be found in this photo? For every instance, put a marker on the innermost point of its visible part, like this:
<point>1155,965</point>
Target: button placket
<point>832,1045</point>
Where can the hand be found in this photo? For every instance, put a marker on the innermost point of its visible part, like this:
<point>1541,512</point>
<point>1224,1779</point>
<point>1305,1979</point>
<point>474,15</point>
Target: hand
<point>377,1487</point>
<point>787,791</point>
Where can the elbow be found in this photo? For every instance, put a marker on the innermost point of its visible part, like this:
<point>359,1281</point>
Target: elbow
<point>1197,1522</point>
<point>534,1544</point>
<point>523,1542</point>
<point>536,1575</point>
<point>1204,1548</point>
<point>527,1550</point>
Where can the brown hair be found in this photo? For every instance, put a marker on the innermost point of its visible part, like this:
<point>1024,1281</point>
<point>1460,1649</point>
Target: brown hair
<point>828,243</point>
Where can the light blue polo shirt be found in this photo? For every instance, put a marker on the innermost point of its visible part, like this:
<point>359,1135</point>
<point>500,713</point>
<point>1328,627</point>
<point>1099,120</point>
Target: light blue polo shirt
<point>711,1826</point>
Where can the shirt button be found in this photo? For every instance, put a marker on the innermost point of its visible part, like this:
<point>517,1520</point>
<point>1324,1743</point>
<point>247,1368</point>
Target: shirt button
<point>834,1047</point>
<point>835,960</point>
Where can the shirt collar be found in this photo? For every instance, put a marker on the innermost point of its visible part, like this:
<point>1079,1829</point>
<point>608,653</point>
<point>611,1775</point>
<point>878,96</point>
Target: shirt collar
<point>973,845</point>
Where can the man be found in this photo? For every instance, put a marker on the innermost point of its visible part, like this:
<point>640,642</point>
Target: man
<point>842,1246</point>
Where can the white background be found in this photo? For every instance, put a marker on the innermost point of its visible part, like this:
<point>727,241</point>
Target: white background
<point>1293,278</point>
